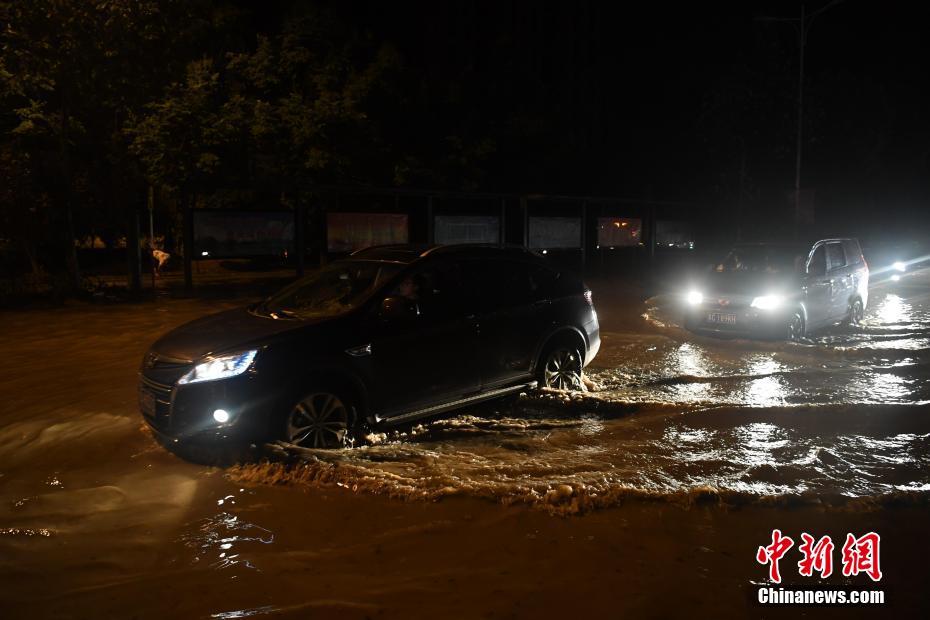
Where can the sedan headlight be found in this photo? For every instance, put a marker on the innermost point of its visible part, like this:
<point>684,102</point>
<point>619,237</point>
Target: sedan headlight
<point>694,297</point>
<point>767,302</point>
<point>899,266</point>
<point>220,368</point>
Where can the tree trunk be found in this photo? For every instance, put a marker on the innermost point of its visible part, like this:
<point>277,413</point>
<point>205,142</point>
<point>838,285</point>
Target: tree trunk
<point>188,202</point>
<point>133,255</point>
<point>30,252</point>
<point>74,270</point>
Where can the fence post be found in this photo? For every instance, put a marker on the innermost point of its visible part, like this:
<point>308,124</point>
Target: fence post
<point>503,223</point>
<point>430,223</point>
<point>584,234</point>
<point>300,235</point>
<point>188,244</point>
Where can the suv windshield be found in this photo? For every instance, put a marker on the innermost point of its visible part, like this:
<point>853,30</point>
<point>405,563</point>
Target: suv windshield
<point>332,290</point>
<point>762,259</point>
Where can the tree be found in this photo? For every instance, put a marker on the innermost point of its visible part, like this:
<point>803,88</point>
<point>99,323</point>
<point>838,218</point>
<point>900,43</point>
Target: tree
<point>284,114</point>
<point>70,73</point>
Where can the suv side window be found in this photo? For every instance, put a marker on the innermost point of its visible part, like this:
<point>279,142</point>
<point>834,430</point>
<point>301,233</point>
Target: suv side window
<point>556,284</point>
<point>503,284</point>
<point>818,263</point>
<point>437,290</point>
<point>836,257</point>
<point>514,283</point>
<point>853,252</point>
<point>548,284</point>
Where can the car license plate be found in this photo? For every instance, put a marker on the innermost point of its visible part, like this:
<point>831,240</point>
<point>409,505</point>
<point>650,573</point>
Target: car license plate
<point>719,317</point>
<point>147,403</point>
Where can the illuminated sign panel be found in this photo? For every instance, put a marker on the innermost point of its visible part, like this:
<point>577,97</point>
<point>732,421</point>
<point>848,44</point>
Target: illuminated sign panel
<point>555,232</point>
<point>347,232</point>
<point>613,232</point>
<point>453,229</point>
<point>222,233</point>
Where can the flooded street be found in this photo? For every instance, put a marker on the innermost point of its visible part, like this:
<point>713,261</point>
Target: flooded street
<point>844,415</point>
<point>673,469</point>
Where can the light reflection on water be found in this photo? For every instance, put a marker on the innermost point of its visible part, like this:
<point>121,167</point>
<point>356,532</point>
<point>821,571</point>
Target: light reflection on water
<point>893,310</point>
<point>888,387</point>
<point>223,538</point>
<point>766,391</point>
<point>243,613</point>
<point>758,442</point>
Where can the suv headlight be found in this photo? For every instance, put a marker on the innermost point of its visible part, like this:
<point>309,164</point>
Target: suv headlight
<point>767,302</point>
<point>220,368</point>
<point>694,298</point>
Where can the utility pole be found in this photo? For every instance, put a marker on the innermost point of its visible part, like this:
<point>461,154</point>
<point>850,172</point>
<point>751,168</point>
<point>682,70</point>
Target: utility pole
<point>802,25</point>
<point>797,169</point>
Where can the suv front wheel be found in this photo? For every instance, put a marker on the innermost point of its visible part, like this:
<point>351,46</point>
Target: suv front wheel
<point>795,329</point>
<point>322,419</point>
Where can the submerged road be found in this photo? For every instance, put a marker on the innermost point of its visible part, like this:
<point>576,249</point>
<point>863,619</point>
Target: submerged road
<point>97,520</point>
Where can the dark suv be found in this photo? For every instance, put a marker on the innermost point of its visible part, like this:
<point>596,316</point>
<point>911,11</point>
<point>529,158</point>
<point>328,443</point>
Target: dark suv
<point>388,335</point>
<point>780,290</point>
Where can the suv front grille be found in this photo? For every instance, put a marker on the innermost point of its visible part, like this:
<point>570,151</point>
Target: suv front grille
<point>155,402</point>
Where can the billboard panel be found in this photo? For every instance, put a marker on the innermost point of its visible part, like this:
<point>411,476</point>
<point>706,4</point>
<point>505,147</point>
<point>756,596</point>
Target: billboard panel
<point>674,234</point>
<point>452,229</point>
<point>618,232</point>
<point>234,233</point>
<point>555,232</point>
<point>347,232</point>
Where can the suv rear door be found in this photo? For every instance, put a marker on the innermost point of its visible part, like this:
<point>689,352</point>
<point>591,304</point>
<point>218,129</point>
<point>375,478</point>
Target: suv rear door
<point>858,270</point>
<point>838,273</point>
<point>515,313</point>
<point>817,291</point>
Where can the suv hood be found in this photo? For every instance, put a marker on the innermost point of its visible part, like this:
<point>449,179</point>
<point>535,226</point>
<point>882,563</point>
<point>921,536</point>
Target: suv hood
<point>750,284</point>
<point>232,329</point>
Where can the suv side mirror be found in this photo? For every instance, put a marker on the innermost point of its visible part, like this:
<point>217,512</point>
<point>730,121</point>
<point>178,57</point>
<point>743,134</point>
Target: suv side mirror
<point>396,307</point>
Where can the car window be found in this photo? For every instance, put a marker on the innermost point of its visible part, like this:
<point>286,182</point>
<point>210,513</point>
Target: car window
<point>853,251</point>
<point>836,257</point>
<point>332,290</point>
<point>437,291</point>
<point>543,282</point>
<point>549,283</point>
<point>762,258</point>
<point>502,284</point>
<point>505,284</point>
<point>818,262</point>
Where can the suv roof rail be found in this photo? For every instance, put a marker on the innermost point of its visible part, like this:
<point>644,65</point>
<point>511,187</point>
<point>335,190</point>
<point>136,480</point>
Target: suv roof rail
<point>464,247</point>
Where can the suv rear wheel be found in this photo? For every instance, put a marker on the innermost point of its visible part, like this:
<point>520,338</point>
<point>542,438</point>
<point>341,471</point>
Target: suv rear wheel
<point>854,316</point>
<point>561,368</point>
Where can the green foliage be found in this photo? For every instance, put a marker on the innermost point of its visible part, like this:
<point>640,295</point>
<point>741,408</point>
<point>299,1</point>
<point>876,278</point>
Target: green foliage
<point>70,73</point>
<point>101,98</point>
<point>286,112</point>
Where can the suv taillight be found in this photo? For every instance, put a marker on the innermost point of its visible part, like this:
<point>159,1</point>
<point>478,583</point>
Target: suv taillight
<point>587,297</point>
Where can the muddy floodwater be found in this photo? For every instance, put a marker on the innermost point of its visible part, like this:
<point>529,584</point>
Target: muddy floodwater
<point>663,478</point>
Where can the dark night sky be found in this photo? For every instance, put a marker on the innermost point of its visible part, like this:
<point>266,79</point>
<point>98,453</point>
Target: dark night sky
<point>667,101</point>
